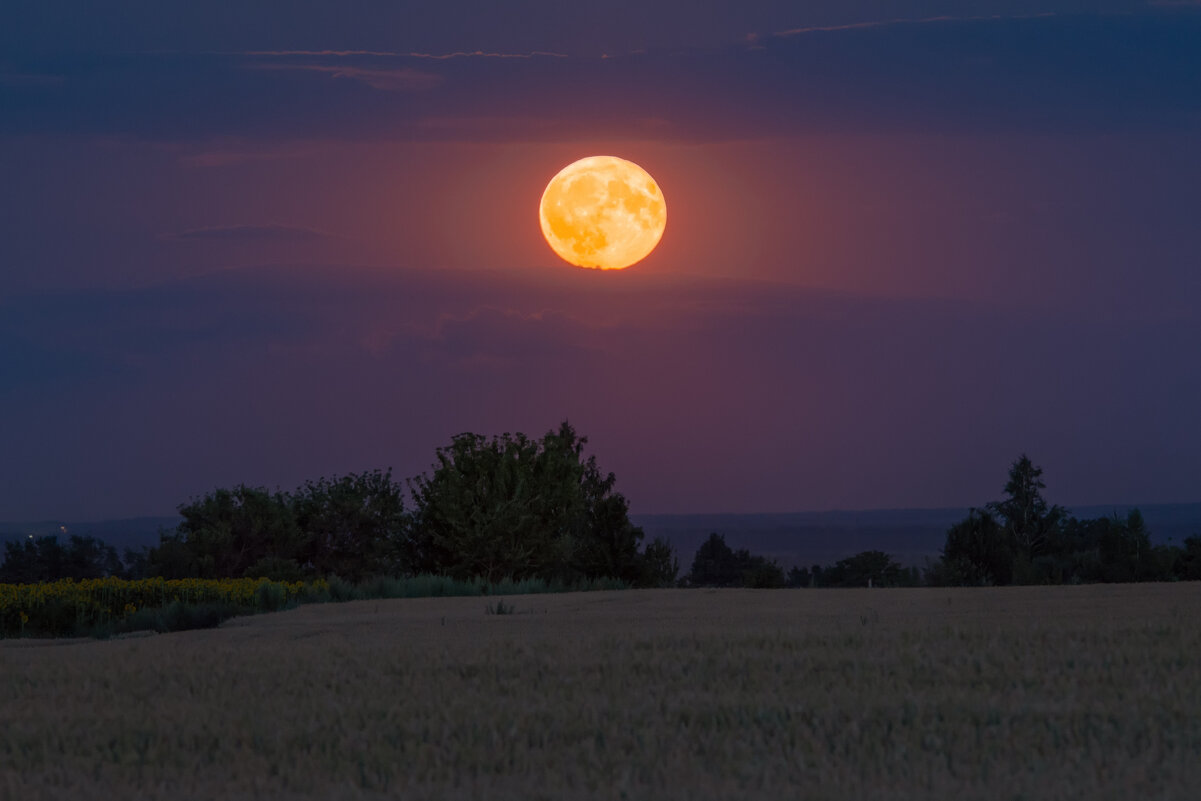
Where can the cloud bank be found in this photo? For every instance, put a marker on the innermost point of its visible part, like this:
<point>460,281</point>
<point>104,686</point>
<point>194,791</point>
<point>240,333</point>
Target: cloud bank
<point>1039,72</point>
<point>700,395</point>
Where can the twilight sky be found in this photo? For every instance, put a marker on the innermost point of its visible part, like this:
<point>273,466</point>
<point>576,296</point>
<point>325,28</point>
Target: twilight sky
<point>262,242</point>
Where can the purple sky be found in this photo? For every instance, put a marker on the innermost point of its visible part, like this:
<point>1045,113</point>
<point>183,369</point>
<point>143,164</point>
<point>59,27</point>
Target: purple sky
<point>906,242</point>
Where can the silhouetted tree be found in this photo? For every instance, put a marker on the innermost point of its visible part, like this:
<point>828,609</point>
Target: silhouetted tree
<point>31,560</point>
<point>604,543</point>
<point>137,562</point>
<point>660,565</point>
<point>88,558</point>
<point>714,564</point>
<point>1011,540</point>
<point>1188,568</point>
<point>1023,513</point>
<point>799,577</point>
<point>354,526</point>
<point>227,532</point>
<point>37,559</point>
<point>717,565</point>
<point>1021,539</point>
<point>514,506</point>
<point>759,572</point>
<point>1126,548</point>
<point>977,551</point>
<point>874,567</point>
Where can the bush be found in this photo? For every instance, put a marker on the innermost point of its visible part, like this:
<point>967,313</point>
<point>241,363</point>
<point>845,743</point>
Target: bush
<point>342,590</point>
<point>500,608</point>
<point>869,568</point>
<point>523,508</point>
<point>763,575</point>
<point>270,597</point>
<point>67,607</point>
<point>716,565</point>
<point>175,616</point>
<point>275,568</point>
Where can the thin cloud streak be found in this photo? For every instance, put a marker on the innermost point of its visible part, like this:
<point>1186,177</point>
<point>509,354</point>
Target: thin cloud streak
<point>946,74</point>
<point>387,80</point>
<point>396,54</point>
<point>886,23</point>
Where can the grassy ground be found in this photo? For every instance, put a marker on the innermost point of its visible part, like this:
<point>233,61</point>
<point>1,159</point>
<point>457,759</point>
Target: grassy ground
<point>1064,692</point>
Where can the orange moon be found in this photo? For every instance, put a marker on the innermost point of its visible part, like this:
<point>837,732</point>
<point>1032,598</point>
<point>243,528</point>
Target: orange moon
<point>603,212</point>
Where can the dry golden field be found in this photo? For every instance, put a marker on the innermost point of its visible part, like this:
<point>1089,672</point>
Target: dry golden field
<point>1031,693</point>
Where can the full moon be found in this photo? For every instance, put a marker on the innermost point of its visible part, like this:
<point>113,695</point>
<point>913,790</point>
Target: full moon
<point>603,212</point>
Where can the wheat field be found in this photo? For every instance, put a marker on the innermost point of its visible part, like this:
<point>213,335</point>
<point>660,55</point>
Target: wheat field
<point>1008,693</point>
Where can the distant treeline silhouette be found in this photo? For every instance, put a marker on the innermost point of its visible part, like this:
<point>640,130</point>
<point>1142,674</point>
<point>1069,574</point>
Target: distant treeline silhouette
<point>1017,540</point>
<point>1022,540</point>
<point>507,507</point>
<point>512,507</point>
<point>717,565</point>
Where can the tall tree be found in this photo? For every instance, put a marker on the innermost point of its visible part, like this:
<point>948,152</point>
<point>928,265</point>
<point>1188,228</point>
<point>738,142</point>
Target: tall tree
<point>660,564</point>
<point>492,508</point>
<point>1023,513</point>
<point>714,564</point>
<point>978,551</point>
<point>354,525</point>
<point>519,507</point>
<point>227,533</point>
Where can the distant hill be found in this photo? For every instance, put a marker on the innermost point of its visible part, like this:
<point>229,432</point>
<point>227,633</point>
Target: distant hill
<point>800,538</point>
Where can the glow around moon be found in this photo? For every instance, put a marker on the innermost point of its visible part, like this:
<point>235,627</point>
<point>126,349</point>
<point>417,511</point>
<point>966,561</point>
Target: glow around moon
<point>603,212</point>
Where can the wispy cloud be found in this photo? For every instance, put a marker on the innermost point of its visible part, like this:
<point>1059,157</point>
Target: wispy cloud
<point>1098,72</point>
<point>402,79</point>
<point>481,54</point>
<point>249,233</point>
<point>885,23</point>
<point>399,54</point>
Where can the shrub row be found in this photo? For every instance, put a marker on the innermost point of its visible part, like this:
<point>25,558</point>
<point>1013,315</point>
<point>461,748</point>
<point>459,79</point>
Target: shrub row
<point>103,607</point>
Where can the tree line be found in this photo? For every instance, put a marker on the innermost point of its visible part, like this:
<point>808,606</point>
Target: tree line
<point>718,565</point>
<point>519,508</point>
<point>1020,539</point>
<point>508,506</point>
<point>37,559</point>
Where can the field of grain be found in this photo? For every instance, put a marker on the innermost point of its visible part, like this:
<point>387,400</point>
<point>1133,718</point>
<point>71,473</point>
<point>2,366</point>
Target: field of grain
<point>1008,693</point>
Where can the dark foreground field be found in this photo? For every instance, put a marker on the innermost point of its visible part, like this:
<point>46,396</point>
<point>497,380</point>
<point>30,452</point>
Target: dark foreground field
<point>1032,693</point>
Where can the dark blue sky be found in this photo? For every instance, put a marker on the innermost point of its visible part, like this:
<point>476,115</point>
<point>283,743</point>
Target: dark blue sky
<point>262,242</point>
